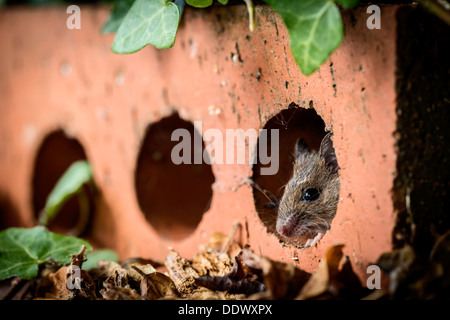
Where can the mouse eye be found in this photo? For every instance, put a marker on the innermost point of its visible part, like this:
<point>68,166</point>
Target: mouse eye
<point>310,194</point>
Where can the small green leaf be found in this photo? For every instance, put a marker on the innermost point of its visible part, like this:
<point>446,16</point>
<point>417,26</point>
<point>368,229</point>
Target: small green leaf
<point>199,3</point>
<point>121,8</point>
<point>69,184</point>
<point>315,30</point>
<point>23,250</point>
<point>94,257</point>
<point>347,3</point>
<point>148,22</point>
<point>223,1</point>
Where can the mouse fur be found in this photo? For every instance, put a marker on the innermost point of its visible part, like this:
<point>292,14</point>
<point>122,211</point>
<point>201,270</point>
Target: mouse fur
<point>310,198</point>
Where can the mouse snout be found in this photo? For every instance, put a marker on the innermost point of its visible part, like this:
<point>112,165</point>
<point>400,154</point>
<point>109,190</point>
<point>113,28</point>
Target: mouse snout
<point>286,227</point>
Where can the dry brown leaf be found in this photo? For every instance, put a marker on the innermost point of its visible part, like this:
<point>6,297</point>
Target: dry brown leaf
<point>144,269</point>
<point>222,277</point>
<point>282,280</point>
<point>118,293</point>
<point>126,264</point>
<point>203,293</point>
<point>217,240</point>
<point>319,282</point>
<point>414,277</point>
<point>79,258</point>
<point>226,244</point>
<point>330,281</point>
<point>211,262</point>
<point>244,286</point>
<point>397,264</point>
<point>258,276</point>
<point>156,285</point>
<point>113,272</point>
<point>55,285</point>
<point>181,272</point>
<point>441,252</point>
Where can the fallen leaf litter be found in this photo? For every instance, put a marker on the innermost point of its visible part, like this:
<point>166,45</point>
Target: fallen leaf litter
<point>225,270</point>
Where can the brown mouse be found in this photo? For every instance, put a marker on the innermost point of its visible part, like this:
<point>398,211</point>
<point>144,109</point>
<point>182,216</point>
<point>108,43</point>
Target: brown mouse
<point>310,198</point>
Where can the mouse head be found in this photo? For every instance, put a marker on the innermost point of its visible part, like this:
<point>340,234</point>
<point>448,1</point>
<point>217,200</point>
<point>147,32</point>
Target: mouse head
<point>309,202</point>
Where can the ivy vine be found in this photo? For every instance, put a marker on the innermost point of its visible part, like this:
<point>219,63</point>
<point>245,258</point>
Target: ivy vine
<point>315,26</point>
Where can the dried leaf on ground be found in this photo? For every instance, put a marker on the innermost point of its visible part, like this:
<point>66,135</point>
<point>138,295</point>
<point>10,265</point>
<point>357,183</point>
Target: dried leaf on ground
<point>210,274</point>
<point>416,277</point>
<point>112,272</point>
<point>210,262</point>
<point>441,253</point>
<point>181,272</point>
<point>112,292</point>
<point>215,259</point>
<point>203,293</point>
<point>244,286</point>
<point>282,280</point>
<point>226,244</point>
<point>156,285</point>
<point>55,286</point>
<point>68,282</point>
<point>126,264</point>
<point>254,274</point>
<point>331,281</point>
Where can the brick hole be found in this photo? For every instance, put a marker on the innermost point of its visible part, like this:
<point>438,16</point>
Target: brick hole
<point>292,123</point>
<point>9,216</point>
<point>55,155</point>
<point>172,197</point>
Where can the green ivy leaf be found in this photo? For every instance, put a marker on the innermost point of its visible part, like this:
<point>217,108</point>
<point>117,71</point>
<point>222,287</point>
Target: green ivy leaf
<point>315,30</point>
<point>347,3</point>
<point>148,22</point>
<point>23,250</point>
<point>71,182</point>
<point>199,3</point>
<point>94,257</point>
<point>121,8</point>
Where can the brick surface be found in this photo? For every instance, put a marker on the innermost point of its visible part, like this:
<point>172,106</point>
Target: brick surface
<point>218,72</point>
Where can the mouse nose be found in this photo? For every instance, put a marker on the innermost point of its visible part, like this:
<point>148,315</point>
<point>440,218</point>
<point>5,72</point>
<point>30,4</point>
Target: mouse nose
<point>284,230</point>
<point>286,227</point>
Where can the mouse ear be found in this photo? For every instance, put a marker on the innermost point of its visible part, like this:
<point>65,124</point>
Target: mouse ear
<point>301,148</point>
<point>328,154</point>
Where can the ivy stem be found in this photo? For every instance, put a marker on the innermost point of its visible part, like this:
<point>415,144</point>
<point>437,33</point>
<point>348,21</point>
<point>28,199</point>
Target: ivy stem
<point>181,4</point>
<point>236,226</point>
<point>439,8</point>
<point>251,14</point>
<point>84,208</point>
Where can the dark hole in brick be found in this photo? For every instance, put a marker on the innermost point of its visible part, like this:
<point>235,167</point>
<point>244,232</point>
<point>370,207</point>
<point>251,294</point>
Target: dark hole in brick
<point>56,154</point>
<point>172,197</point>
<point>292,123</point>
<point>9,216</point>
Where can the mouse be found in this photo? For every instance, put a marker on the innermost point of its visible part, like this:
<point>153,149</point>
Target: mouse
<point>310,198</point>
